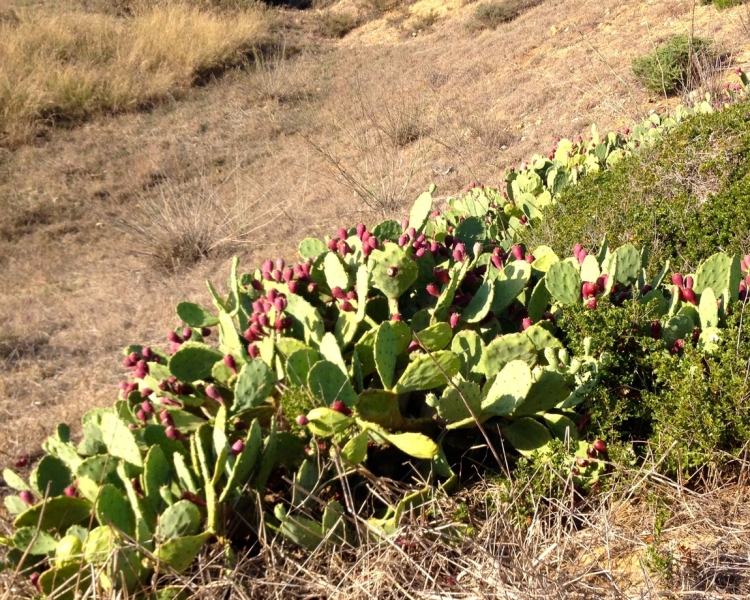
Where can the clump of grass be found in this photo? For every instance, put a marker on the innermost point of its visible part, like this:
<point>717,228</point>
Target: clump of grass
<point>491,14</point>
<point>676,65</point>
<point>66,67</point>
<point>336,24</point>
<point>724,3</point>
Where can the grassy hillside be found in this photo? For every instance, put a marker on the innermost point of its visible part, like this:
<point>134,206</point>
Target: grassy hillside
<point>142,144</point>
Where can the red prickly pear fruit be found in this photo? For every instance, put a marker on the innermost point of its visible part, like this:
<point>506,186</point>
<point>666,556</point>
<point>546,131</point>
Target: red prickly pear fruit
<point>392,271</point>
<point>213,392</point>
<point>280,304</point>
<point>147,353</point>
<point>174,338</point>
<point>187,333</point>
<point>256,285</point>
<point>448,241</point>
<point>582,256</point>
<point>696,334</point>
<point>591,452</point>
<point>589,289</point>
<point>582,462</point>
<point>172,433</point>
<point>70,491</point>
<point>276,275</point>
<point>253,351</point>
<point>412,233</point>
<point>404,224</point>
<point>373,243</point>
<point>344,248</point>
<point>478,248</point>
<point>689,282</point>
<point>677,280</point>
<point>687,295</point>
<point>601,283</point>
<point>434,248</point>
<point>497,261</point>
<point>655,330</point>
<point>396,317</point>
<point>34,579</point>
<point>433,290</point>
<point>264,321</point>
<point>420,252</point>
<point>287,274</point>
<point>361,229</point>
<point>346,306</point>
<point>237,448</point>
<point>332,244</point>
<point>403,239</point>
<point>577,249</point>
<point>142,416</point>
<point>293,287</point>
<point>22,461</point>
<point>574,470</point>
<point>280,264</point>
<point>646,289</point>
<point>351,295</point>
<point>600,446</point>
<point>459,252</point>
<point>302,420</point>
<point>340,407</point>
<point>27,497</point>
<point>230,363</point>
<point>312,287</point>
<point>591,304</point>
<point>366,250</point>
<point>343,233</point>
<point>530,258</point>
<point>267,266</point>
<point>517,252</point>
<point>272,295</point>
<point>413,347</point>
<point>338,293</point>
<point>453,320</point>
<point>147,407</point>
<point>443,276</point>
<point>526,323</point>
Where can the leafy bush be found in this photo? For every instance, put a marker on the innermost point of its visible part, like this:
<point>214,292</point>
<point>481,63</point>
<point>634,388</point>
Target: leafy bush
<point>336,24</point>
<point>395,347</point>
<point>674,65</point>
<point>682,198</point>
<point>723,3</point>
<point>489,15</point>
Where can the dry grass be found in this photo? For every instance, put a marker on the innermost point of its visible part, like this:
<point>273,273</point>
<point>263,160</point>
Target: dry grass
<point>68,66</point>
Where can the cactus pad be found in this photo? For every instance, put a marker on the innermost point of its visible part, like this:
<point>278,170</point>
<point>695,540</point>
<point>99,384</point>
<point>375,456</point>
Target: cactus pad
<point>527,436</point>
<point>194,361</point>
<point>382,260</point>
<point>385,353</point>
<point>328,383</point>
<point>179,553</point>
<point>468,346</point>
<point>512,346</point>
<point>195,316</point>
<point>564,283</point>
<point>509,284</point>
<point>628,264</point>
<point>678,327</point>
<point>548,390</point>
<point>420,211</point>
<point>417,445</point>
<point>428,371</point>
<point>508,390</point>
<point>539,301</point>
<point>451,405</point>
<point>480,304</point>
<point>181,519</point>
<point>436,337</point>
<point>298,365</point>
<point>311,248</point>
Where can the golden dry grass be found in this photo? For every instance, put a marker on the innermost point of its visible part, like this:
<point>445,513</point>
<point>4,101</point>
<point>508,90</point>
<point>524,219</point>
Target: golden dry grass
<point>68,66</point>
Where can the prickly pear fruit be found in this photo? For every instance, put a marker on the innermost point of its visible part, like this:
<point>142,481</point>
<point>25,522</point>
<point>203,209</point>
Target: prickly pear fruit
<point>27,497</point>
<point>600,446</point>
<point>589,290</point>
<point>591,304</point>
<point>302,420</point>
<point>677,280</point>
<point>340,407</point>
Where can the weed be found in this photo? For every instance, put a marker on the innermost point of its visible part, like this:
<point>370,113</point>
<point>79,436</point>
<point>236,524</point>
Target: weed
<point>489,15</point>
<point>336,24</point>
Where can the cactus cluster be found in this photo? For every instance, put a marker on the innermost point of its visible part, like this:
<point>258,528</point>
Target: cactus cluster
<point>404,337</point>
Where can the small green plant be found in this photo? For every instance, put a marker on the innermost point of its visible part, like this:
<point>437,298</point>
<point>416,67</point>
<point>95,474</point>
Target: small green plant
<point>674,66</point>
<point>489,15</point>
<point>720,4</point>
<point>336,24</point>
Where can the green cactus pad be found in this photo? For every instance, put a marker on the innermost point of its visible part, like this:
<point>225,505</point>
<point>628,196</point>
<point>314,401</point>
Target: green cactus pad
<point>112,508</point>
<point>245,461</point>
<point>660,304</point>
<point>679,327</point>
<point>14,481</point>
<point>328,383</point>
<point>311,248</point>
<point>469,347</point>
<point>508,390</point>
<point>549,389</point>
<point>194,361</point>
<point>307,323</point>
<point>255,382</point>
<point>511,346</point>
<point>355,450</point>
<point>590,269</point>
<point>436,337</point>
<point>156,474</point>
<point>451,406</point>
<point>660,276</point>
<point>428,371</point>
<point>329,348</point>
<point>299,364</point>
<point>195,316</point>
<point>179,520</point>
<point>52,581</point>
<point>527,436</point>
<point>719,272</point>
<point>363,288</point>
<point>335,272</point>
<point>389,257</point>
<point>268,458</point>
<point>509,284</point>
<point>179,553</point>
<point>380,407</point>
<point>457,272</point>
<point>710,340</point>
<point>385,353</point>
<point>539,301</point>
<point>302,531</point>
<point>387,230</point>
<point>334,522</point>
<point>417,445</point>
<point>33,541</point>
<point>420,211</point>
<point>628,264</point>
<point>325,422</point>
<point>562,427</point>
<point>119,440</point>
<point>542,338</point>
<point>471,230</point>
<point>68,551</point>
<point>480,304</point>
<point>51,476</point>
<point>305,480</point>
<point>564,283</point>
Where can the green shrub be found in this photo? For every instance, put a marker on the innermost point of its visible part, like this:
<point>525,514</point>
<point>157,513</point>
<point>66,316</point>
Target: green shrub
<point>683,198</point>
<point>723,3</point>
<point>489,15</point>
<point>674,65</point>
<point>336,24</point>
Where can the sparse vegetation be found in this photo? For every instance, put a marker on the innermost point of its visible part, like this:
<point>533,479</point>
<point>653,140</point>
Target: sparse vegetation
<point>490,15</point>
<point>676,65</point>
